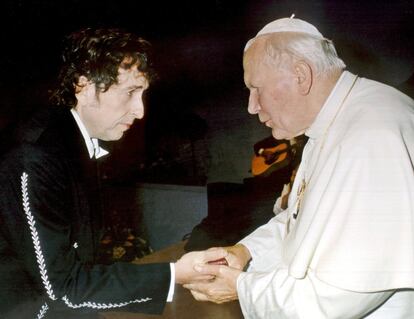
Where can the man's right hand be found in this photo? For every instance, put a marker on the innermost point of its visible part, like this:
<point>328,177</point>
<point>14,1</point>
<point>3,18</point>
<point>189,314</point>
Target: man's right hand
<point>184,267</point>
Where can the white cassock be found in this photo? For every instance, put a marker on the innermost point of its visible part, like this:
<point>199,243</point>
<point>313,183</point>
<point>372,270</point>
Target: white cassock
<point>350,251</point>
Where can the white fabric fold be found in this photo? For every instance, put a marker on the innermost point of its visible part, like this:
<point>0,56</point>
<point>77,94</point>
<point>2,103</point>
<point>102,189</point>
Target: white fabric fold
<point>92,144</point>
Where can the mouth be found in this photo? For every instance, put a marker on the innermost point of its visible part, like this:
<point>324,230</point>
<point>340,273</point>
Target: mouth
<point>268,123</point>
<point>126,125</point>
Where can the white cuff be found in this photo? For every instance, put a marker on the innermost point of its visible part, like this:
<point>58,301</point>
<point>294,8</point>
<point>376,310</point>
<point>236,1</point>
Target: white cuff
<point>172,284</point>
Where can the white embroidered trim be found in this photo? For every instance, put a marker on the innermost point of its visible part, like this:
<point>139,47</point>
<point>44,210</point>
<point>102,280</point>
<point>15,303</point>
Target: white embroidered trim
<point>95,305</point>
<point>43,311</point>
<point>35,238</point>
<point>42,266</point>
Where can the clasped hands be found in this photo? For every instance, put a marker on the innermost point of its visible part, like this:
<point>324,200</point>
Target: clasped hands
<point>209,278</point>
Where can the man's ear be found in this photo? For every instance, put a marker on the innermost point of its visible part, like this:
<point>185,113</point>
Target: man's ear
<point>304,76</point>
<point>85,92</point>
<point>82,83</point>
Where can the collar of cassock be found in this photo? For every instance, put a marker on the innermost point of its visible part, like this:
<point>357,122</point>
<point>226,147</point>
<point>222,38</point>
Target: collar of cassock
<point>92,144</point>
<point>332,105</point>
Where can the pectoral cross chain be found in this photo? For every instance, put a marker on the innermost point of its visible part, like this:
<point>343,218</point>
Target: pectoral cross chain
<point>300,195</point>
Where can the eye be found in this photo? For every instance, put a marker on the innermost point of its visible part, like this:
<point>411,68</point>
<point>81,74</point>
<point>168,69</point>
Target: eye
<point>134,90</point>
<point>131,92</point>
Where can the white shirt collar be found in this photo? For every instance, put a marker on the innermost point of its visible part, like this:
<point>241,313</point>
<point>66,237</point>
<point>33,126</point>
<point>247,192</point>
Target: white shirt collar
<point>92,144</point>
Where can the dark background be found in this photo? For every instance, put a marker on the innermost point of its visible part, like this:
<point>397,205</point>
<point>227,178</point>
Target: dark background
<point>198,52</point>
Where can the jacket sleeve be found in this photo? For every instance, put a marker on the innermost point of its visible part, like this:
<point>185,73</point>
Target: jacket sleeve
<point>268,291</point>
<point>39,223</point>
<point>275,294</point>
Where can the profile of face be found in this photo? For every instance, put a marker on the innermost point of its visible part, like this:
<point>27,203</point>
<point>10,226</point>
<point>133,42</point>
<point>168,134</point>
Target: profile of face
<point>108,114</point>
<point>277,92</point>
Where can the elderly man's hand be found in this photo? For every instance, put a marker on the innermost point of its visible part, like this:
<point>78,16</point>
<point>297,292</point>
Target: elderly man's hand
<point>219,290</point>
<point>185,267</point>
<point>238,256</point>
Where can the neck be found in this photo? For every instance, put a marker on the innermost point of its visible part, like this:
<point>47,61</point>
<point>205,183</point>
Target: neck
<point>323,86</point>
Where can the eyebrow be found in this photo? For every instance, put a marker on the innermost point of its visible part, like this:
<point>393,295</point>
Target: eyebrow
<point>136,86</point>
<point>133,87</point>
<point>248,83</point>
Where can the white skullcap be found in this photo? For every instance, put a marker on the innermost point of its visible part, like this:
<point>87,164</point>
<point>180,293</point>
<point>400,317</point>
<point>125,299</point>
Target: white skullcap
<point>287,25</point>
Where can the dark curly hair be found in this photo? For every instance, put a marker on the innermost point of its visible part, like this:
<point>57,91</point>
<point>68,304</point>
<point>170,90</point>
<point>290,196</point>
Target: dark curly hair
<point>98,54</point>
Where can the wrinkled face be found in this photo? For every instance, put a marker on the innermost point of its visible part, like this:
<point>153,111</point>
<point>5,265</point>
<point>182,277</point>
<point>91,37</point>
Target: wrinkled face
<point>107,115</point>
<point>274,94</point>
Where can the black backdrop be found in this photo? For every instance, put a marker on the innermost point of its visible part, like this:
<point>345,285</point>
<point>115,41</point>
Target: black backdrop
<point>198,50</point>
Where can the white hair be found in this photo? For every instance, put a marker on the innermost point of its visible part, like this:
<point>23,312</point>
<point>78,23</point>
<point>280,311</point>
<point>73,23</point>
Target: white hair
<point>320,53</point>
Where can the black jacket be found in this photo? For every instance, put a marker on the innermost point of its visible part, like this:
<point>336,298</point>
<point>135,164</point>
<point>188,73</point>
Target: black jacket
<point>50,226</point>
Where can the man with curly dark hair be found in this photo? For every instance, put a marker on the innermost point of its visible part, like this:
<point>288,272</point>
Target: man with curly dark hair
<point>50,210</point>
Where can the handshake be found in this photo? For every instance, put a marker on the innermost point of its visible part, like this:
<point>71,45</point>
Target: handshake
<point>211,275</point>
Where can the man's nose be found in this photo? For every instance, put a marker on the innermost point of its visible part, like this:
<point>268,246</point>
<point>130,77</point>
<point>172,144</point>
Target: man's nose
<point>137,109</point>
<point>253,106</point>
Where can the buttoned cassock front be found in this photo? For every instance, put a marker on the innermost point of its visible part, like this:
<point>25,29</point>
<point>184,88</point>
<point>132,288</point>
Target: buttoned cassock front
<point>351,248</point>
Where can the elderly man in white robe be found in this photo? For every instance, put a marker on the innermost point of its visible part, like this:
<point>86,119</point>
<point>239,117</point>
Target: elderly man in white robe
<point>344,247</point>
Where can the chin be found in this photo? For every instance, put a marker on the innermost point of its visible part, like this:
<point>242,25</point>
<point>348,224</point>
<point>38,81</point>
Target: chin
<point>117,138</point>
<point>113,137</point>
<point>284,135</point>
<point>279,136</point>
